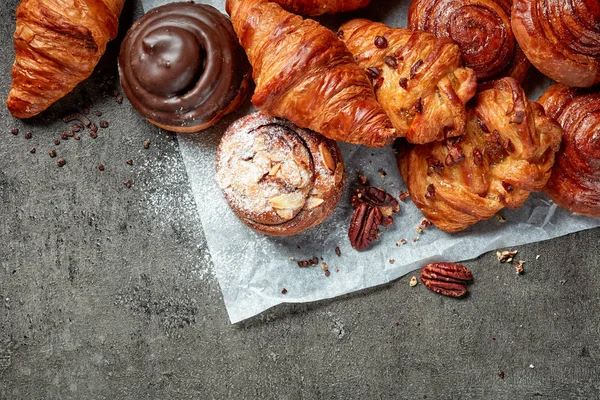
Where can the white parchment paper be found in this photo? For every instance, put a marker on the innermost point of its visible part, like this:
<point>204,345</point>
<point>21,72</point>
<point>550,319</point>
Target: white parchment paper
<point>252,269</point>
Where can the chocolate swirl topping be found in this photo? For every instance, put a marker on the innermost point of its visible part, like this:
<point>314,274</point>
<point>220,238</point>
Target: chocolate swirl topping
<point>482,30</point>
<point>181,65</point>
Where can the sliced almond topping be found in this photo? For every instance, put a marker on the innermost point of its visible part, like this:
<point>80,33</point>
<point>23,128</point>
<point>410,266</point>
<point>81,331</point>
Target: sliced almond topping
<point>274,169</point>
<point>285,214</point>
<point>288,201</point>
<point>314,202</point>
<point>326,155</point>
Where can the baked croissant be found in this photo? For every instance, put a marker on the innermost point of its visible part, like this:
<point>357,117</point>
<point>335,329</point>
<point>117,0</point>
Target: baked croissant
<point>305,74</point>
<point>277,178</point>
<point>418,78</point>
<point>320,7</point>
<point>561,38</point>
<point>482,30</point>
<point>507,151</point>
<point>57,44</point>
<point>575,180</point>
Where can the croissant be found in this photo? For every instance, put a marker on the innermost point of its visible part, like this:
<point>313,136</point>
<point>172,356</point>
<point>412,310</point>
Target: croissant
<point>277,178</point>
<point>507,151</point>
<point>418,78</point>
<point>57,44</point>
<point>320,7</point>
<point>560,38</point>
<point>482,30</point>
<point>305,74</point>
<point>575,180</point>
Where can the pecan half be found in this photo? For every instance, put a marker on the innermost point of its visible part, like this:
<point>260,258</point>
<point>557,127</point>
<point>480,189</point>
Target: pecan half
<point>372,207</point>
<point>449,279</point>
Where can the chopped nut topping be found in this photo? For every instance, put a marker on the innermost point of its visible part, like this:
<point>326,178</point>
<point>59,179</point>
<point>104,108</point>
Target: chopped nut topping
<point>338,252</point>
<point>308,263</point>
<point>425,223</point>
<point>404,196</point>
<point>403,241</point>
<point>501,218</point>
<point>413,281</point>
<point>283,291</point>
<point>419,230</point>
<point>362,179</point>
<point>392,261</point>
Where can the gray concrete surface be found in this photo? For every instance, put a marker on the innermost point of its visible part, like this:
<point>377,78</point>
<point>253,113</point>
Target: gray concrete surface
<point>107,293</point>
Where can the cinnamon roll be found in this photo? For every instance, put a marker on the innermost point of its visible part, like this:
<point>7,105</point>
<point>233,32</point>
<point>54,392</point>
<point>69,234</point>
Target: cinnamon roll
<point>507,151</point>
<point>277,178</point>
<point>482,30</point>
<point>418,79</point>
<point>561,38</point>
<point>182,68</point>
<point>575,180</point>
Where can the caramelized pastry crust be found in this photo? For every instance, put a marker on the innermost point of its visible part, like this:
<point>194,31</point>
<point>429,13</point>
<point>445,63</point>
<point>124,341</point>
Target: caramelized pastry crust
<point>277,178</point>
<point>182,68</point>
<point>418,79</point>
<point>57,45</point>
<point>305,74</point>
<point>575,180</point>
<point>482,30</point>
<point>507,151</point>
<point>561,38</point>
<point>319,7</point>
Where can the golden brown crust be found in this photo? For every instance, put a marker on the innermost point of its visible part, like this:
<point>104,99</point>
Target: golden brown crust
<point>575,180</point>
<point>57,44</point>
<point>480,28</point>
<point>418,78</point>
<point>277,178</point>
<point>320,7</point>
<point>506,152</point>
<point>305,74</point>
<point>560,38</point>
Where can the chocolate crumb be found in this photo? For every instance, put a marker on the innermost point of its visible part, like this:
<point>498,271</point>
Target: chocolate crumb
<point>382,173</point>
<point>101,167</point>
<point>32,150</point>
<point>93,134</point>
<point>392,261</point>
<point>119,98</point>
<point>327,273</point>
<point>28,135</point>
<point>338,252</point>
<point>98,113</point>
<point>501,374</point>
<point>64,136</point>
<point>52,153</point>
<point>403,83</point>
<point>127,183</point>
<point>76,137</point>
<point>404,196</point>
<point>129,162</point>
<point>146,144</point>
<point>14,131</point>
<point>93,128</point>
<point>415,240</point>
<point>56,142</point>
<point>60,162</point>
<point>283,291</point>
<point>425,223</point>
<point>391,62</point>
<point>86,111</point>
<point>381,42</point>
<point>75,128</point>
<point>308,263</point>
<point>103,124</point>
<point>362,179</point>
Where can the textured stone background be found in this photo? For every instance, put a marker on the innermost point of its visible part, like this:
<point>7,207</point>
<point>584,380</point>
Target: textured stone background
<point>107,292</point>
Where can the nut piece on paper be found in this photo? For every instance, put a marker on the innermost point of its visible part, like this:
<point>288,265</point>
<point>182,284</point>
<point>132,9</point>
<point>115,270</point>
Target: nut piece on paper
<point>372,207</point>
<point>449,279</point>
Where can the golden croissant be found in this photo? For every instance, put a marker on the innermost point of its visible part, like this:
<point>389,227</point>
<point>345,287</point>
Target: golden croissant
<point>507,151</point>
<point>305,74</point>
<point>319,7</point>
<point>418,78</point>
<point>57,44</point>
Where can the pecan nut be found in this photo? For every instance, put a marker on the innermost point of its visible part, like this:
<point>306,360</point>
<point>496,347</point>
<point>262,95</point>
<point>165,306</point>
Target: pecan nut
<point>449,279</point>
<point>372,207</point>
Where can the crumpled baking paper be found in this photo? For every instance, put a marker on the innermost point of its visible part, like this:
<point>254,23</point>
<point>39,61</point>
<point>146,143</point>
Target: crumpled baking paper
<point>253,269</point>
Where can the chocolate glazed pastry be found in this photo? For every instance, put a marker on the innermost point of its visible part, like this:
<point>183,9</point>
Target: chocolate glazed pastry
<point>482,30</point>
<point>575,180</point>
<point>561,38</point>
<point>182,68</point>
<point>507,152</point>
<point>277,178</point>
